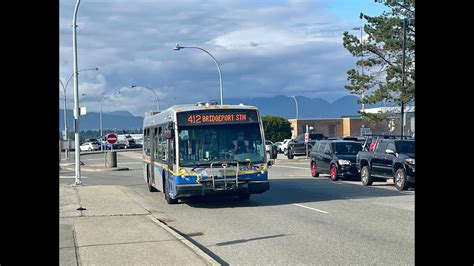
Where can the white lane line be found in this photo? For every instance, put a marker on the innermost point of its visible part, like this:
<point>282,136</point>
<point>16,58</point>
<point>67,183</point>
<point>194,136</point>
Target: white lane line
<point>295,167</point>
<point>310,208</point>
<point>70,176</point>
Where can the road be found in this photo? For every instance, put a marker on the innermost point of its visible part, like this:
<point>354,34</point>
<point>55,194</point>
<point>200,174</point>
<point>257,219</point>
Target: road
<point>300,220</point>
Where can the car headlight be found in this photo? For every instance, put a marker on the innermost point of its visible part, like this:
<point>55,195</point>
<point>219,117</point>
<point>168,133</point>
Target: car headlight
<point>410,161</point>
<point>343,162</point>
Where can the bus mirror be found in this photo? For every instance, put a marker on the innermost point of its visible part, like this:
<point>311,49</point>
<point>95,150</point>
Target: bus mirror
<point>169,134</point>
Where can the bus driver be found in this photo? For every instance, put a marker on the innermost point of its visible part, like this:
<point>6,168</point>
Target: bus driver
<point>240,144</point>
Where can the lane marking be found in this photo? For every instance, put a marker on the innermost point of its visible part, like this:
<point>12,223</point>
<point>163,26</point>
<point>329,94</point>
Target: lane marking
<point>295,167</point>
<point>310,208</point>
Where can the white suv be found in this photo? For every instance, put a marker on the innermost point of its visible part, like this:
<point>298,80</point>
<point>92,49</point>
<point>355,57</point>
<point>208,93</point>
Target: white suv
<point>284,146</point>
<point>89,146</point>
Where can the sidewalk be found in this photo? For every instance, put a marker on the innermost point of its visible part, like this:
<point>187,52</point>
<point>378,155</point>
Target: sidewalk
<point>70,167</point>
<point>112,228</point>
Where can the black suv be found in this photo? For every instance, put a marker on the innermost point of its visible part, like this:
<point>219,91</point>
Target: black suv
<point>391,158</point>
<point>298,146</point>
<point>335,157</point>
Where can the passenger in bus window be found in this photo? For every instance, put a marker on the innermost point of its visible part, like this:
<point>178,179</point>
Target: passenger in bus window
<point>240,144</point>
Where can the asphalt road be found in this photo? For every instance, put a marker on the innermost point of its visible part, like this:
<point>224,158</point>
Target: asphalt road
<point>300,220</point>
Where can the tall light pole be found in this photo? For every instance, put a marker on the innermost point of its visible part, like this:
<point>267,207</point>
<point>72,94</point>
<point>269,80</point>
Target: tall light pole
<point>76,99</point>
<point>65,120</point>
<point>406,22</point>
<point>178,47</point>
<point>361,67</point>
<point>152,90</point>
<point>172,99</point>
<point>296,107</point>
<point>100,117</point>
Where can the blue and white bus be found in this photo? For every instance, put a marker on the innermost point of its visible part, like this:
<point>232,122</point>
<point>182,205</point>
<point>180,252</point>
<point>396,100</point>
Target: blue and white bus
<point>205,148</point>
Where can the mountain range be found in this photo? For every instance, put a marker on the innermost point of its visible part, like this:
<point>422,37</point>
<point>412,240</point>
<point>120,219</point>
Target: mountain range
<point>283,106</point>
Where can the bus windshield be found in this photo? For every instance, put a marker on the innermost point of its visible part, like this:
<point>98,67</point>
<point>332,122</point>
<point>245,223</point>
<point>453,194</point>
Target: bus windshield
<point>201,145</point>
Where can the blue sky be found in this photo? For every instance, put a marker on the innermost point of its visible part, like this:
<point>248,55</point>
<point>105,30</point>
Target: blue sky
<point>264,48</point>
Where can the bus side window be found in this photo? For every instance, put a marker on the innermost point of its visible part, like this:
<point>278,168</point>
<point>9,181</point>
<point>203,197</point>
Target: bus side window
<point>146,141</point>
<point>164,146</point>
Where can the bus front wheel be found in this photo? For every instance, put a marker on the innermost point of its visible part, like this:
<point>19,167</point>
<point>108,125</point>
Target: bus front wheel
<point>167,196</point>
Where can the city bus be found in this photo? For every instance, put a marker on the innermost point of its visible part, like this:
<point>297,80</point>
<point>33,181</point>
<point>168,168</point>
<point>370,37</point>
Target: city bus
<point>190,150</point>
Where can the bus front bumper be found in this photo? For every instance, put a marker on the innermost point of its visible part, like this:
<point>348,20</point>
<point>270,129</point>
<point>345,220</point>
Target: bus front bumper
<point>251,187</point>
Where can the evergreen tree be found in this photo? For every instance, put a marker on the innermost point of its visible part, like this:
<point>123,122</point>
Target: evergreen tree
<point>380,56</point>
<point>276,128</point>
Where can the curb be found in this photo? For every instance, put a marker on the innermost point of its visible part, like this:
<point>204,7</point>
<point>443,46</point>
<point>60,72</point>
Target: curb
<point>183,240</point>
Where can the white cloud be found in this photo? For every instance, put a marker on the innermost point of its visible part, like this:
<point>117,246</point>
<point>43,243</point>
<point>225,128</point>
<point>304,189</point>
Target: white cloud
<point>264,49</point>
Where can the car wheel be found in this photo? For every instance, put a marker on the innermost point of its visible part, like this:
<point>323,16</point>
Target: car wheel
<point>365,176</point>
<point>400,179</point>
<point>90,149</point>
<point>290,154</point>
<point>314,169</point>
<point>333,172</point>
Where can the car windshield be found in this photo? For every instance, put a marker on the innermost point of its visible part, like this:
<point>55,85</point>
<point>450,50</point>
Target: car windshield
<point>206,144</point>
<point>405,146</point>
<point>346,148</point>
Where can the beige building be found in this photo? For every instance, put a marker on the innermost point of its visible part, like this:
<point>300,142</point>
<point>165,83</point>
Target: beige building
<point>336,127</point>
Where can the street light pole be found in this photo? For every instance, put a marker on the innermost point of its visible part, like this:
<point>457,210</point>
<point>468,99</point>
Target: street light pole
<point>66,149</point>
<point>76,99</point>
<point>64,90</point>
<point>152,90</point>
<point>65,120</point>
<point>296,107</point>
<point>361,67</point>
<point>172,99</point>
<point>405,22</point>
<point>100,118</point>
<point>178,47</point>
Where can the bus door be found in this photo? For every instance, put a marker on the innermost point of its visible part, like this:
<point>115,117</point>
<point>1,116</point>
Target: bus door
<point>169,135</point>
<point>151,169</point>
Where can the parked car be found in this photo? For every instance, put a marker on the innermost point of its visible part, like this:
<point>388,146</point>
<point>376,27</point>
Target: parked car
<point>298,146</point>
<point>130,144</point>
<point>268,145</point>
<point>284,146</point>
<point>278,145</point>
<point>390,158</point>
<point>334,157</point>
<point>89,146</point>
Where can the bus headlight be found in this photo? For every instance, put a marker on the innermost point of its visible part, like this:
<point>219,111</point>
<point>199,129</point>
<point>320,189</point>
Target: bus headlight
<point>343,162</point>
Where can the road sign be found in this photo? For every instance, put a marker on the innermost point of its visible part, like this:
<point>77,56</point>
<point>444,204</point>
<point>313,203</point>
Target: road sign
<point>306,137</point>
<point>111,138</point>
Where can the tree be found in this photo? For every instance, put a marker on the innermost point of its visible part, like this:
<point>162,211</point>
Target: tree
<point>276,128</point>
<point>381,58</point>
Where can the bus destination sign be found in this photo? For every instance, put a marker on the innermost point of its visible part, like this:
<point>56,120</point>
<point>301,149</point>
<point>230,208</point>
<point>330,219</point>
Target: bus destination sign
<point>217,117</point>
